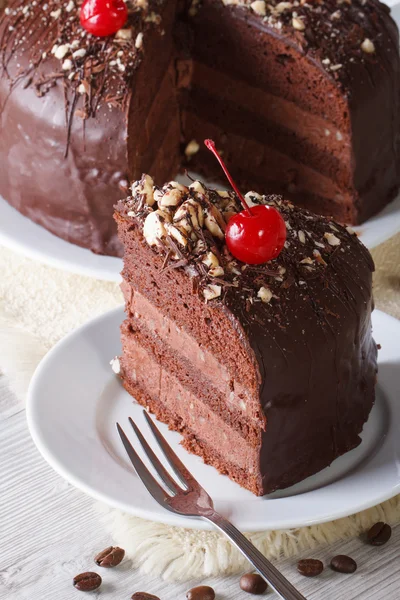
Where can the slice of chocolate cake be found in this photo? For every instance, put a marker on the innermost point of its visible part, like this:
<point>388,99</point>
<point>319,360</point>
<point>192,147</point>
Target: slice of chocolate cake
<point>268,371</point>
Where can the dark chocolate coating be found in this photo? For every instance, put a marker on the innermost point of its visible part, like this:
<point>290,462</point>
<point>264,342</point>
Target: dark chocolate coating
<point>65,167</point>
<point>68,180</point>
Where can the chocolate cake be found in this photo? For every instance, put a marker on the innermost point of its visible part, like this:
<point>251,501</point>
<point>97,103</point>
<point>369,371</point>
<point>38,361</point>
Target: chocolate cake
<point>268,371</point>
<point>302,97</point>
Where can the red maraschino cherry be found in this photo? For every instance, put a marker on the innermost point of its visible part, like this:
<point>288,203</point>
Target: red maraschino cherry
<point>258,233</point>
<point>103,17</point>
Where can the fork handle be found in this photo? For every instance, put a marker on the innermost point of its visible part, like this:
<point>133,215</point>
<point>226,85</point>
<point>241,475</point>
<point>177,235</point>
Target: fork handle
<point>276,580</point>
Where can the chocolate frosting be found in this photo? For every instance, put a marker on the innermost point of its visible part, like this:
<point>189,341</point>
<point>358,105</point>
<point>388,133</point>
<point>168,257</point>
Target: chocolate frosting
<point>305,319</point>
<point>65,101</point>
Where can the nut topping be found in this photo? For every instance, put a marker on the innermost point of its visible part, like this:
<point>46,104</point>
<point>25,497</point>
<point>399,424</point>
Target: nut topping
<point>153,228</point>
<point>212,291</point>
<point>264,294</point>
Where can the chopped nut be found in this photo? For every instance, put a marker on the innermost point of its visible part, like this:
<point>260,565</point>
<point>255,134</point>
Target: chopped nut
<point>211,260</point>
<point>67,65</point>
<point>56,13</point>
<point>229,211</point>
<point>336,67</point>
<point>191,149</point>
<point>223,193</point>
<point>179,186</point>
<point>298,24</point>
<point>216,272</point>
<point>332,239</point>
<point>339,136</point>
<point>301,236</point>
<point>79,53</point>
<point>176,233</point>
<point>199,247</point>
<point>212,291</point>
<point>251,196</point>
<point>153,228</point>
<point>307,261</point>
<point>115,365</point>
<point>139,40</point>
<point>60,51</point>
<point>83,88</point>
<point>318,257</point>
<point>333,227</point>
<point>189,215</point>
<point>70,6</point>
<point>214,221</point>
<point>197,187</point>
<point>259,8</point>
<point>153,18</point>
<point>282,6</point>
<point>350,230</point>
<point>172,197</point>
<point>232,267</point>
<point>124,34</point>
<point>264,294</point>
<point>368,46</point>
<point>145,188</point>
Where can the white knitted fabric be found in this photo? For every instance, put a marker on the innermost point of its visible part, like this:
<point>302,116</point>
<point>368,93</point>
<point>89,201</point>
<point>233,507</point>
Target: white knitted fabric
<point>40,304</point>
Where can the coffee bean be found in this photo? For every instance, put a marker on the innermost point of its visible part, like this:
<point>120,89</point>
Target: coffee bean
<point>110,557</point>
<point>343,564</point>
<point>144,596</point>
<point>202,592</point>
<point>310,567</point>
<point>87,582</point>
<point>379,534</point>
<point>252,583</point>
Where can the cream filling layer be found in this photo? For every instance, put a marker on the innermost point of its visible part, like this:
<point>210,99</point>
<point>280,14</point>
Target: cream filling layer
<point>167,391</point>
<point>181,342</point>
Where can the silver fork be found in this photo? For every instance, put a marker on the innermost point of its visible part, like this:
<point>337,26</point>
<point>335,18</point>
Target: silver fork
<point>192,500</point>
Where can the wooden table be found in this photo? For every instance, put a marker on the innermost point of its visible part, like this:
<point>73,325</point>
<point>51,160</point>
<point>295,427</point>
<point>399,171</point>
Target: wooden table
<point>49,532</point>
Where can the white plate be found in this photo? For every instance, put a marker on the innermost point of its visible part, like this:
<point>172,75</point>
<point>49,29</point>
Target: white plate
<point>74,401</point>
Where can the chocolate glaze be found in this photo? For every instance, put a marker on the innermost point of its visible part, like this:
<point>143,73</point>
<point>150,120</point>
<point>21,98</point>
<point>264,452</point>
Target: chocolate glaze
<point>65,157</point>
<point>306,356</point>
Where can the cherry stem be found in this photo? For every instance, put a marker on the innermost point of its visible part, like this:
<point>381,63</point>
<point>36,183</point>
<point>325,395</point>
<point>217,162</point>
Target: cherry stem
<point>211,146</point>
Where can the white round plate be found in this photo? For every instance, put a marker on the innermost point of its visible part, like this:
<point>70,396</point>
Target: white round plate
<point>75,400</point>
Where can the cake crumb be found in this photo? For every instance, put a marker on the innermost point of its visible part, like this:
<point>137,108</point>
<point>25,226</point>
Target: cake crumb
<point>115,365</point>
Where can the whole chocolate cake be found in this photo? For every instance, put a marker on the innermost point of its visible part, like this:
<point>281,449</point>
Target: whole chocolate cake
<point>267,370</point>
<point>302,97</point>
